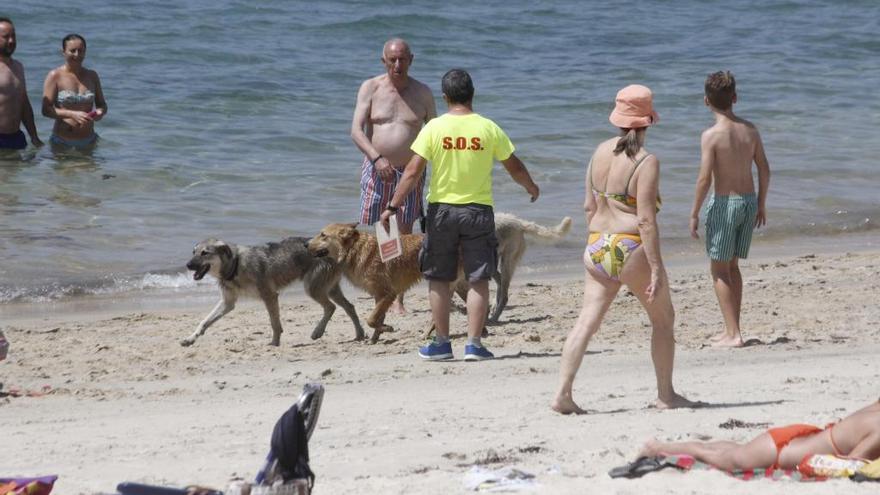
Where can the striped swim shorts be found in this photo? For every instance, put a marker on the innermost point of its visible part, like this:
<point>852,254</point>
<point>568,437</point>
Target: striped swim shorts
<point>730,221</point>
<point>376,193</point>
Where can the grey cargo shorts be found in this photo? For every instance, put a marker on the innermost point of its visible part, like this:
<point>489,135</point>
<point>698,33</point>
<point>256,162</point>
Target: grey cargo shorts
<point>465,232</point>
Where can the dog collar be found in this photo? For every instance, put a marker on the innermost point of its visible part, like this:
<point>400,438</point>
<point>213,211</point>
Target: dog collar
<point>233,269</point>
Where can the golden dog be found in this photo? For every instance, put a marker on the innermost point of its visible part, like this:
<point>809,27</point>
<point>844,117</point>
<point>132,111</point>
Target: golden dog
<point>357,254</point>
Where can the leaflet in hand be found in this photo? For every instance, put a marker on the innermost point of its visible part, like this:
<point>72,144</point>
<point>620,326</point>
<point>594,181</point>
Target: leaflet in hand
<point>389,242</point>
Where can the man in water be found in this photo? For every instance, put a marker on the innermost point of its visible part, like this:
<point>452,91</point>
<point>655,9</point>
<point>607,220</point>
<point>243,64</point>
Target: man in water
<point>15,108</point>
<point>391,109</point>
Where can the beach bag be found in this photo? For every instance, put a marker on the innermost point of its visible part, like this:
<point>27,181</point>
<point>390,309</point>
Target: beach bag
<point>830,466</point>
<point>869,472</point>
<point>27,486</point>
<point>290,445</point>
<point>287,470</point>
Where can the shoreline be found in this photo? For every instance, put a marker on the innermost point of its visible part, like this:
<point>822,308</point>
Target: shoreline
<point>532,269</point>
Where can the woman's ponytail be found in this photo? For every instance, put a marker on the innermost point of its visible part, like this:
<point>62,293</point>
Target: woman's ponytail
<point>628,143</point>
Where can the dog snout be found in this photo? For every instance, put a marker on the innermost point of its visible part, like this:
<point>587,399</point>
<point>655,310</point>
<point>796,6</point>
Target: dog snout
<point>313,247</point>
<point>320,253</point>
<point>199,267</point>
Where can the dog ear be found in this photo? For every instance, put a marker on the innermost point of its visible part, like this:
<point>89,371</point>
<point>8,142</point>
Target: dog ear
<point>351,233</point>
<point>224,250</point>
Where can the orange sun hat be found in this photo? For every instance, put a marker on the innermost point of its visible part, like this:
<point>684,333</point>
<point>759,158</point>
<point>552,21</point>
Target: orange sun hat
<point>634,108</point>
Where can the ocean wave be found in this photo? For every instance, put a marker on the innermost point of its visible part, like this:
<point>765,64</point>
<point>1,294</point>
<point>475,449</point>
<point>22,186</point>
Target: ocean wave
<point>56,291</point>
<point>538,260</point>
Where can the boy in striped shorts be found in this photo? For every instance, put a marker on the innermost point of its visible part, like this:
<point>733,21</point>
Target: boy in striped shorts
<point>728,150</point>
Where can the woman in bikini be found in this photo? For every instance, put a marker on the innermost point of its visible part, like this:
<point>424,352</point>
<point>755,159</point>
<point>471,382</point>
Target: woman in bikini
<point>72,96</point>
<point>621,205</point>
<point>857,436</point>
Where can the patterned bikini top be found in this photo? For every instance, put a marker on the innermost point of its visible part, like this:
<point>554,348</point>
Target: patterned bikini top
<point>623,197</point>
<point>68,97</point>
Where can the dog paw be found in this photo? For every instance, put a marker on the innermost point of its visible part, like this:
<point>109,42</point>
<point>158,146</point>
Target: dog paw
<point>187,342</point>
<point>275,342</point>
<point>317,334</point>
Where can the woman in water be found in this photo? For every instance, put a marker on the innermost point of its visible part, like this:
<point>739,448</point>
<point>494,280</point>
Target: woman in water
<point>72,96</point>
<point>623,247</point>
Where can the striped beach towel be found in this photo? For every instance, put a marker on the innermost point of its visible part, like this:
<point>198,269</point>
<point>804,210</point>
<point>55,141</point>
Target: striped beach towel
<point>686,463</point>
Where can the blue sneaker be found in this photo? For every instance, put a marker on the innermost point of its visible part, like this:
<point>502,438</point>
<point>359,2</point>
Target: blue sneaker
<point>476,353</point>
<point>435,352</point>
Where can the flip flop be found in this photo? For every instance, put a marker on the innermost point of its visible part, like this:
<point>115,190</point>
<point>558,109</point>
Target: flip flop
<point>638,468</point>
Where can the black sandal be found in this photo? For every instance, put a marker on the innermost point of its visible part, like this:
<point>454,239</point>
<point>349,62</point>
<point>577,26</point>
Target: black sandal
<point>638,468</point>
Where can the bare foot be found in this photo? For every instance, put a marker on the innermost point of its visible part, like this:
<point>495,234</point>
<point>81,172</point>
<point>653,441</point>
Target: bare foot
<point>718,336</point>
<point>565,405</point>
<point>728,342</point>
<point>676,402</point>
<point>651,448</point>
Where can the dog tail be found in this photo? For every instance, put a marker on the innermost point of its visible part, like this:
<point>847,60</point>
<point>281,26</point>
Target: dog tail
<point>539,231</point>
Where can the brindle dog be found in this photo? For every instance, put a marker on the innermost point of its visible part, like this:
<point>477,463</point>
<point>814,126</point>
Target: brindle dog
<point>263,271</point>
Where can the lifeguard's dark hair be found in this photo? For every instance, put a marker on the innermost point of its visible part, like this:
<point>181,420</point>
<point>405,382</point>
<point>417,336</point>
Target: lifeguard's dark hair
<point>458,86</point>
<point>72,36</point>
<point>720,89</point>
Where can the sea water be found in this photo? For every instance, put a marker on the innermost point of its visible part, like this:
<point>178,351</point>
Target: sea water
<point>231,119</point>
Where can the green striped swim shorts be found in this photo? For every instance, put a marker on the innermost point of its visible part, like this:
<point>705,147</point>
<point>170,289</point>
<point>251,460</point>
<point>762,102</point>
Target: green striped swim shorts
<point>730,221</point>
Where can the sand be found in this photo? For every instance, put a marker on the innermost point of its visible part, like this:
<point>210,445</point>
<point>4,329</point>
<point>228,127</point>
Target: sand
<point>126,402</point>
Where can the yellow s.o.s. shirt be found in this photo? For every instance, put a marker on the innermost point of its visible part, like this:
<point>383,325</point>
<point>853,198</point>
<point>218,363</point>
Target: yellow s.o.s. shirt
<point>462,150</point>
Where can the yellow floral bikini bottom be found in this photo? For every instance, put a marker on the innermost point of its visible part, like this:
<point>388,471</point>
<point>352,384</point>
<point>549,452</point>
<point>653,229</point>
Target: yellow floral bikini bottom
<point>608,252</point>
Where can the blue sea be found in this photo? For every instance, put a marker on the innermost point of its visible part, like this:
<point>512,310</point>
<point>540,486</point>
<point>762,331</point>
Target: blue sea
<point>231,119</point>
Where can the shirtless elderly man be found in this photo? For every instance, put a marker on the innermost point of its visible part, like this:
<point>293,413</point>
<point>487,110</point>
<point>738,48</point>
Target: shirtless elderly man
<point>391,109</point>
<point>15,108</point>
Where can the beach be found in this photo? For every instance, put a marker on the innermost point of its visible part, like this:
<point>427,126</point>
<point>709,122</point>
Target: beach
<point>123,401</point>
<point>232,120</point>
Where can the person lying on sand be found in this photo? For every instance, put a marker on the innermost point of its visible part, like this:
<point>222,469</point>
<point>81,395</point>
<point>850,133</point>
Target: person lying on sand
<point>857,436</point>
